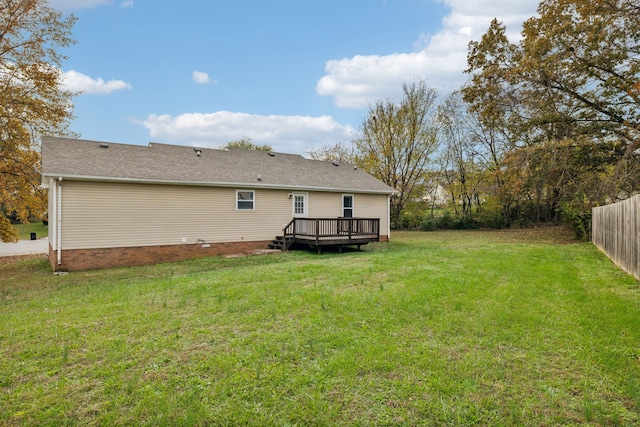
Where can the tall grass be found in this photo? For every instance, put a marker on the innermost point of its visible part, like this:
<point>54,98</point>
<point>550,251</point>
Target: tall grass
<point>453,328</point>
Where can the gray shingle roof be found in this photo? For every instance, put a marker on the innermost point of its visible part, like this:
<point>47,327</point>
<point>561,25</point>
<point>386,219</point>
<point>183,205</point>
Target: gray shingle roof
<point>174,164</point>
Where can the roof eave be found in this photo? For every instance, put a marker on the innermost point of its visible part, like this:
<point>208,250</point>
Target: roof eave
<point>211,184</point>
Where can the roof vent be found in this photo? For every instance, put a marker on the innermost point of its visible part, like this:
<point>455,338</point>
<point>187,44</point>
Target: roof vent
<point>272,154</point>
<point>335,164</point>
<point>104,145</point>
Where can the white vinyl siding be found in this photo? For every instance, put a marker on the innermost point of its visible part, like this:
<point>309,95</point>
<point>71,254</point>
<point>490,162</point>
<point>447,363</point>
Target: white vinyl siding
<point>103,215</point>
<point>324,205</point>
<point>373,206</point>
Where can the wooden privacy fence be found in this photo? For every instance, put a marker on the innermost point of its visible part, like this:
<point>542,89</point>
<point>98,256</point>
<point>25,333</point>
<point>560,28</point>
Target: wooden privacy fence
<point>616,231</point>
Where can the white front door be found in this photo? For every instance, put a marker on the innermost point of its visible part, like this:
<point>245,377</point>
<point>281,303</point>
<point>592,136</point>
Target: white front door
<point>299,205</point>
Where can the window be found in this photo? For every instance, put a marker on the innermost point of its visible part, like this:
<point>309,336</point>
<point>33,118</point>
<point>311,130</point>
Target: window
<point>245,200</point>
<point>347,205</point>
<point>298,204</point>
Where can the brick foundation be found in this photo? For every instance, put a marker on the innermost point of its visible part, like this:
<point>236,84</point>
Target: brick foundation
<point>89,259</point>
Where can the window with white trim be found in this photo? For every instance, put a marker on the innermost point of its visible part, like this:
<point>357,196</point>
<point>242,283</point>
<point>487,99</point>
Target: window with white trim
<point>245,200</point>
<point>347,205</point>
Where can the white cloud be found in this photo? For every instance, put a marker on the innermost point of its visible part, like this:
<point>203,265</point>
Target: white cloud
<point>78,82</point>
<point>200,77</point>
<point>438,58</point>
<point>356,81</point>
<point>127,3</point>
<point>292,134</point>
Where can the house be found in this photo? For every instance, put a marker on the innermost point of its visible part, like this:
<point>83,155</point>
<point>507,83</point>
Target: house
<point>123,205</point>
<point>436,195</point>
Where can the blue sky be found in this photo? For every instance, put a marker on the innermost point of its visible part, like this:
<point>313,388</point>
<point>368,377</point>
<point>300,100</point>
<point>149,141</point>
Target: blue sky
<point>296,75</point>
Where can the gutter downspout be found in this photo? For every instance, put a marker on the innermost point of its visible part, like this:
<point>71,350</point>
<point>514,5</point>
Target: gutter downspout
<point>59,219</point>
<point>389,217</point>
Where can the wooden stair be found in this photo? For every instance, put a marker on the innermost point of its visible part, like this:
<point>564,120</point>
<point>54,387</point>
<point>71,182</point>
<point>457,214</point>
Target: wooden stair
<point>278,243</point>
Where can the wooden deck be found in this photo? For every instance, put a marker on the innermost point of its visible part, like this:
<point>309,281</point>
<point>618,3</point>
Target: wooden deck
<point>336,232</point>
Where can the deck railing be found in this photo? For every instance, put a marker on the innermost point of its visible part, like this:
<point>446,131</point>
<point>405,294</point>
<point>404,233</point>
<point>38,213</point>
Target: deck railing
<point>332,228</point>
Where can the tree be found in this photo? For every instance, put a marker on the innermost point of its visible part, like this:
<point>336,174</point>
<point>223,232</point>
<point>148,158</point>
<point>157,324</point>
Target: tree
<point>492,92</point>
<point>341,152</point>
<point>587,55</point>
<point>567,178</point>
<point>32,101</point>
<point>560,99</point>
<point>464,166</point>
<point>575,72</point>
<point>397,141</point>
<point>245,143</point>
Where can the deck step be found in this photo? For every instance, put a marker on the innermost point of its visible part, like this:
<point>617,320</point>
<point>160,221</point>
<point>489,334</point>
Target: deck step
<point>277,243</point>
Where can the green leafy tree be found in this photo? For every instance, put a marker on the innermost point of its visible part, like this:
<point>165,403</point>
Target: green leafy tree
<point>397,141</point>
<point>565,179</point>
<point>245,143</point>
<point>32,101</point>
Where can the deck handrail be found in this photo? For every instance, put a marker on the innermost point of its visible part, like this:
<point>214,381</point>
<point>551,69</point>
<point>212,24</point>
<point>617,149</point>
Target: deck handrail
<point>332,227</point>
<point>289,234</point>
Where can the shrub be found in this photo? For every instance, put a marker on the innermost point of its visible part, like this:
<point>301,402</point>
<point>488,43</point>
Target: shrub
<point>429,223</point>
<point>578,215</point>
<point>491,215</point>
<point>465,222</point>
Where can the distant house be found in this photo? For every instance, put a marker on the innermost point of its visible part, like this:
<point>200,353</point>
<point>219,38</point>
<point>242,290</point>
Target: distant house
<point>436,195</point>
<point>122,205</point>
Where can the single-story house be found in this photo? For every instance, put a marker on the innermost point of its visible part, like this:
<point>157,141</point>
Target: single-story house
<point>123,205</point>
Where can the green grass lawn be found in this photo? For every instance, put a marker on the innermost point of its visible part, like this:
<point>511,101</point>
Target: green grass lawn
<point>25,230</point>
<point>441,328</point>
